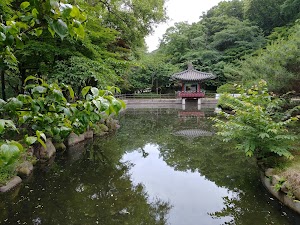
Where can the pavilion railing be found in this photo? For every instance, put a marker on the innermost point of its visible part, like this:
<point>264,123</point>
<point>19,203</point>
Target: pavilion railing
<point>157,96</point>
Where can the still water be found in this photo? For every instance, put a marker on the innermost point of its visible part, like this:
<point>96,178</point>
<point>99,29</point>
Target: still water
<point>163,166</point>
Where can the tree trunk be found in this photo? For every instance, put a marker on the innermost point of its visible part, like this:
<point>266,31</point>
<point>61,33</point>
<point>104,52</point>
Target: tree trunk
<point>3,84</point>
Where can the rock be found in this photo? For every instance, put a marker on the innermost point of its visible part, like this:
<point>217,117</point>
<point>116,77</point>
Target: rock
<point>11,184</point>
<point>296,193</point>
<point>45,153</point>
<point>25,168</point>
<point>89,134</point>
<point>269,172</point>
<point>101,133</point>
<point>60,147</point>
<point>103,128</point>
<point>74,139</point>
<point>275,180</point>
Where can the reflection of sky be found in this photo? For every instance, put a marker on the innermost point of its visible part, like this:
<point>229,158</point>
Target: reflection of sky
<point>191,195</point>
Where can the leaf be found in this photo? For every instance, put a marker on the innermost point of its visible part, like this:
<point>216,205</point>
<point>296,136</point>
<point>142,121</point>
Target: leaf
<point>79,31</point>
<point>2,36</point>
<point>40,134</point>
<point>95,91</point>
<point>75,12</point>
<point>85,90</point>
<point>71,92</point>
<point>66,9</point>
<point>30,140</point>
<point>34,12</point>
<point>29,78</point>
<point>38,31</point>
<point>60,28</point>
<point>2,123</point>
<point>24,5</point>
<point>97,104</point>
<point>39,89</point>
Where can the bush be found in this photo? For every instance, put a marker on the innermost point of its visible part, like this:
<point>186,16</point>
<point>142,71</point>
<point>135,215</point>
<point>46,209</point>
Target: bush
<point>254,123</point>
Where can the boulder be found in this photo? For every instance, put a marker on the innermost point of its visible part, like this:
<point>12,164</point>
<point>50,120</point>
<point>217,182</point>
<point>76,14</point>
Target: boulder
<point>74,139</point>
<point>45,153</point>
<point>11,184</point>
<point>269,172</point>
<point>25,169</point>
<point>89,134</point>
<point>60,147</point>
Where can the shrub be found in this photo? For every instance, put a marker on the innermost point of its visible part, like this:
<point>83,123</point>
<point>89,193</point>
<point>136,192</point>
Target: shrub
<point>254,124</point>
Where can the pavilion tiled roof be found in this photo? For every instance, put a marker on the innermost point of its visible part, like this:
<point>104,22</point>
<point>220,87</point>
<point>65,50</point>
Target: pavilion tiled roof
<point>192,75</point>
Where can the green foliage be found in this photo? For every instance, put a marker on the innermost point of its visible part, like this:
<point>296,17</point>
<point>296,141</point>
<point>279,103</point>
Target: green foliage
<point>253,125</point>
<point>278,64</point>
<point>211,43</point>
<point>266,14</point>
<point>227,88</point>
<point>50,110</point>
<point>152,73</point>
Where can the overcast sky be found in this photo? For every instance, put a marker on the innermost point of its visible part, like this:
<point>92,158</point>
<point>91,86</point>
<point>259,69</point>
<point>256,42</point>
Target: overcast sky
<point>178,11</point>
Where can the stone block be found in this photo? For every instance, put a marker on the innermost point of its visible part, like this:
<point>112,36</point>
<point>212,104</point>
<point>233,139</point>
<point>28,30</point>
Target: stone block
<point>89,134</point>
<point>60,147</point>
<point>25,169</point>
<point>11,184</point>
<point>45,153</point>
<point>74,139</point>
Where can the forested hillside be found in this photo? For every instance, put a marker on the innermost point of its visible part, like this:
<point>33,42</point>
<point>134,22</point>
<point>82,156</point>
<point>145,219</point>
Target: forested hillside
<point>240,41</point>
<point>36,39</point>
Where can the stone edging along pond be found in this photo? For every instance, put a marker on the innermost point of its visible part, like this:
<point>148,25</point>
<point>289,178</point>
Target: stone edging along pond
<point>270,180</point>
<point>45,154</point>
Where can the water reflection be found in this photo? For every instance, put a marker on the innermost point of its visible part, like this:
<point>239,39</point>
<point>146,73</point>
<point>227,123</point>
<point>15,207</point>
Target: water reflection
<point>191,194</point>
<point>146,175</point>
<point>96,189</point>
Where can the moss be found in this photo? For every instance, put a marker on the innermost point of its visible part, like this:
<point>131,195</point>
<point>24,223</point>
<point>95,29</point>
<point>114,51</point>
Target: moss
<point>6,173</point>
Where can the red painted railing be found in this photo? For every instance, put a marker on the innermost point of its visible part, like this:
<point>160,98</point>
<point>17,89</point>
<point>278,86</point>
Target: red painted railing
<point>183,94</point>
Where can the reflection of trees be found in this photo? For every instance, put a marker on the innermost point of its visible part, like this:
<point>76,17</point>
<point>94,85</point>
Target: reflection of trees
<point>210,157</point>
<point>96,189</point>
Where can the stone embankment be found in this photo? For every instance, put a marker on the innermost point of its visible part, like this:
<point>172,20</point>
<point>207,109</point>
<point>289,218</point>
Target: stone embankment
<point>43,154</point>
<point>283,189</point>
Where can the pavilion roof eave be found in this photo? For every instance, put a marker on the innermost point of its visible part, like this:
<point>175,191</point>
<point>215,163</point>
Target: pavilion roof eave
<point>192,75</point>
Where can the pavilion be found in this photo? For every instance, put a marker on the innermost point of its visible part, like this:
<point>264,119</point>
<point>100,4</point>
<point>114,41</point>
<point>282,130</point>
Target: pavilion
<point>190,80</point>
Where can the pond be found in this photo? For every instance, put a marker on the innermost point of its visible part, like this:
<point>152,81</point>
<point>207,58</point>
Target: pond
<point>163,166</point>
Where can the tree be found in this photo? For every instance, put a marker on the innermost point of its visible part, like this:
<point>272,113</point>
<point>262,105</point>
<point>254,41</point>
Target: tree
<point>278,64</point>
<point>266,14</point>
<point>32,19</point>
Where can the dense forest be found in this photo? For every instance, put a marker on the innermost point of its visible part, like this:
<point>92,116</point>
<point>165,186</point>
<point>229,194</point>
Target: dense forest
<point>105,41</point>
<point>240,41</point>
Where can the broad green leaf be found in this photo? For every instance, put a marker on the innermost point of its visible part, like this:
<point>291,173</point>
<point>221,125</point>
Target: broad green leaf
<point>29,78</point>
<point>2,36</point>
<point>85,90</point>
<point>10,124</point>
<point>75,12</point>
<point>24,5</point>
<point>34,13</point>
<point>19,42</point>
<point>39,89</point>
<point>71,92</point>
<point>2,123</point>
<point>97,104</point>
<point>30,140</point>
<point>60,28</point>
<point>79,31</point>
<point>95,91</point>
<point>52,32</point>
<point>66,9</point>
<point>38,31</point>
